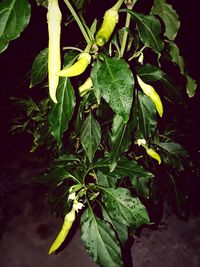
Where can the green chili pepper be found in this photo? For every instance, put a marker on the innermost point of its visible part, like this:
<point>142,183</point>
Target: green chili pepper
<point>54,17</point>
<point>150,92</point>
<point>78,67</point>
<point>85,87</point>
<point>68,221</point>
<point>110,20</point>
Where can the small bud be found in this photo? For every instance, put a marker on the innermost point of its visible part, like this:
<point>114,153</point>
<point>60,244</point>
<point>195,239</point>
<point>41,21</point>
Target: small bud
<point>141,142</point>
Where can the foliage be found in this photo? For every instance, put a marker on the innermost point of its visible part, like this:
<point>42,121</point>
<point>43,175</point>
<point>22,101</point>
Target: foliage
<point>105,142</point>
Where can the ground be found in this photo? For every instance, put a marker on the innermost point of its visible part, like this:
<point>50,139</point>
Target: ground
<point>27,229</point>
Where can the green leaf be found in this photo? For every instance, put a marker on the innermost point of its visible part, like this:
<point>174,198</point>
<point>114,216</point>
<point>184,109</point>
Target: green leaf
<point>69,58</point>
<point>119,140</point>
<point>169,16</point>
<point>176,58</point>
<point>173,154</point>
<point>150,73</point>
<point>14,17</point>
<point>66,157</point>
<point>149,29</point>
<point>191,86</point>
<point>124,208</point>
<point>105,178</point>
<point>100,241</point>
<point>61,113</point>
<point>90,136</point>
<point>55,175</point>
<point>145,117</point>
<point>141,185</point>
<point>172,88</point>
<point>116,84</point>
<point>39,68</point>
<point>121,229</point>
<point>139,177</point>
<point>132,169</point>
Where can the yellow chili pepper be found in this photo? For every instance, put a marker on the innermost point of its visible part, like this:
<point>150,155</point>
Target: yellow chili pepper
<point>152,153</point>
<point>110,20</point>
<point>68,221</point>
<point>85,87</point>
<point>54,17</point>
<point>78,67</point>
<point>150,92</point>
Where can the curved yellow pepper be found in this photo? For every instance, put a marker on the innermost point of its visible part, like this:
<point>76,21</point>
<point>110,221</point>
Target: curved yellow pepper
<point>152,153</point>
<point>78,67</point>
<point>54,17</point>
<point>150,92</point>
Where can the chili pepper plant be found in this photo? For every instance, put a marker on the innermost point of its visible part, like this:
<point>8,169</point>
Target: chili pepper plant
<point>104,121</point>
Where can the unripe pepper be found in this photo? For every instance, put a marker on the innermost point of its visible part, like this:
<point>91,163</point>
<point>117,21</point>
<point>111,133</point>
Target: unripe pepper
<point>152,153</point>
<point>85,87</point>
<point>68,221</point>
<point>78,67</point>
<point>110,20</point>
<point>150,92</point>
<point>54,17</point>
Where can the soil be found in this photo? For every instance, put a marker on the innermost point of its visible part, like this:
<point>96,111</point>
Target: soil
<point>27,229</point>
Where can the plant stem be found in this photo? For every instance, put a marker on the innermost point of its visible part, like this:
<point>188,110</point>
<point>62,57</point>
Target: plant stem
<point>72,48</point>
<point>76,17</point>
<point>124,40</point>
<point>127,24</point>
<point>88,47</point>
<point>118,5</point>
<point>137,54</point>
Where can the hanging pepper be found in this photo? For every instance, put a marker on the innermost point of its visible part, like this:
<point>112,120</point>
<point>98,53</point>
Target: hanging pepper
<point>68,222</point>
<point>150,151</point>
<point>78,67</point>
<point>153,154</point>
<point>54,17</point>
<point>85,87</point>
<point>150,92</point>
<point>110,20</point>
